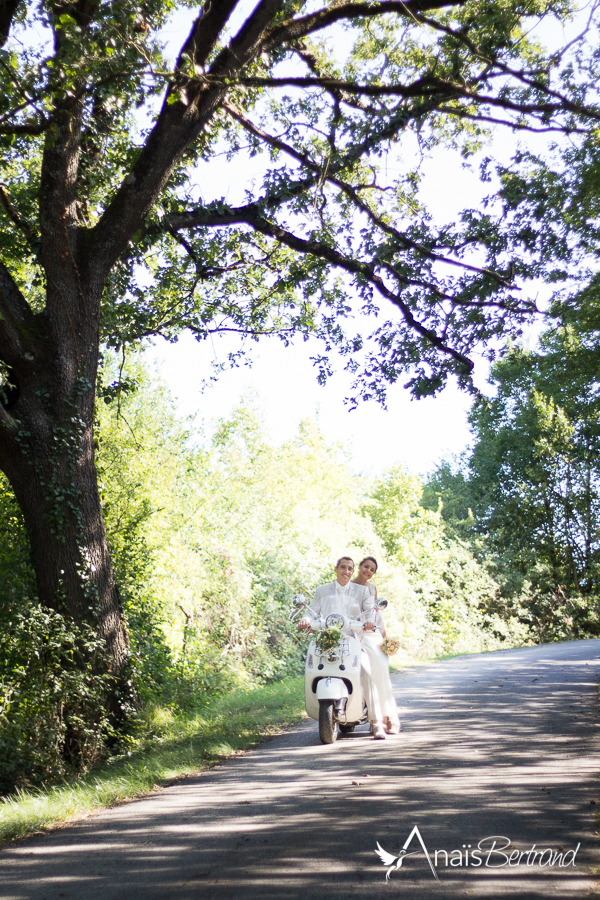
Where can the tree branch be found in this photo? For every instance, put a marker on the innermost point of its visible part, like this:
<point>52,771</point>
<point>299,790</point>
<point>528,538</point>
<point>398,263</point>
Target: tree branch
<point>460,113</point>
<point>14,216</point>
<point>352,193</point>
<point>562,102</point>
<point>255,220</point>
<point>16,318</point>
<point>31,128</point>
<point>429,87</point>
<point>294,29</point>
<point>8,8</point>
<point>416,89</point>
<point>189,106</point>
<point>205,33</point>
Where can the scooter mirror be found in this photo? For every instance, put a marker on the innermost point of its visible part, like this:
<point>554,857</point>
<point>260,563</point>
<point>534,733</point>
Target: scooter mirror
<point>381,603</point>
<point>299,600</point>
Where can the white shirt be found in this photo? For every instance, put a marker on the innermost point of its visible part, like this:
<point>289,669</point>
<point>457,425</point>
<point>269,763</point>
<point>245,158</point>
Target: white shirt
<point>348,599</point>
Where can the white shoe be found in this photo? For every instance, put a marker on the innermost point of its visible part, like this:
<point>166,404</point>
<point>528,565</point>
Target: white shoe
<point>377,731</point>
<point>392,727</point>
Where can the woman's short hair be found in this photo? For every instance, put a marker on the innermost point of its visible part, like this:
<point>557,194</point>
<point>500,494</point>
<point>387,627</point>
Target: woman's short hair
<point>342,558</point>
<point>368,559</point>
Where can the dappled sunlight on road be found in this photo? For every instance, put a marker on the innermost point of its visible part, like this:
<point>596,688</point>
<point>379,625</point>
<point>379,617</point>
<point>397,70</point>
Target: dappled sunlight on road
<point>497,744</point>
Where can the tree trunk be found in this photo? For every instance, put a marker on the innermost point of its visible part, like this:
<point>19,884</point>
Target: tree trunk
<point>47,417</point>
<point>47,453</point>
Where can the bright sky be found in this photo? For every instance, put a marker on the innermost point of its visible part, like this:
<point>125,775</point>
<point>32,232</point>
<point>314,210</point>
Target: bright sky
<point>417,434</point>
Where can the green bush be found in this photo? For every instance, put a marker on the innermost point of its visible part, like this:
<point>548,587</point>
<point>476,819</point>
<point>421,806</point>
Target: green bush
<point>51,722</point>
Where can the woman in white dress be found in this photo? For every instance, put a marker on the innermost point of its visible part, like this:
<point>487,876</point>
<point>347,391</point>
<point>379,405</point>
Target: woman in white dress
<point>372,641</point>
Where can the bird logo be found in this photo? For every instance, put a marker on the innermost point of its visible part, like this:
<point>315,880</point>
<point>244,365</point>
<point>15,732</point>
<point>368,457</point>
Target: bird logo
<point>388,859</point>
<point>394,862</point>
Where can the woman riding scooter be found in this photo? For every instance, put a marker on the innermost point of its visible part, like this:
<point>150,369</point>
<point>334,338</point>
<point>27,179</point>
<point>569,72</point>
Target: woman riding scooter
<point>380,666</point>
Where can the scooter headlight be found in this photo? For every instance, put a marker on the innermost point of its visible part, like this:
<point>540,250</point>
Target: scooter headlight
<point>335,620</point>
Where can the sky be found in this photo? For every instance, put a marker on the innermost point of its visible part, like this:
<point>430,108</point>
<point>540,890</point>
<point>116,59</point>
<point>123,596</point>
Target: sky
<point>283,384</point>
<point>282,381</point>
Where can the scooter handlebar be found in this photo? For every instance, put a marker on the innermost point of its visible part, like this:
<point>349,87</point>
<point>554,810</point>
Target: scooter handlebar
<point>350,626</point>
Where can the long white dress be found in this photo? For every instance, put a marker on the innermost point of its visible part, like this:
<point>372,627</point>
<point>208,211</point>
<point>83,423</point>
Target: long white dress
<point>384,703</point>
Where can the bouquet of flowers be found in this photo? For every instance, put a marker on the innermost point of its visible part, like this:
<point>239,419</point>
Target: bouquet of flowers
<point>390,646</point>
<point>328,639</point>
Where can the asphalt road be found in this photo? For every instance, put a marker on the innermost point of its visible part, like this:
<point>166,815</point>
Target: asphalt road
<point>497,747</point>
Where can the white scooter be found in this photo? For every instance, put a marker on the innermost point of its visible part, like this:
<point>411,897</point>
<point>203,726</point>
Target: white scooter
<point>332,687</point>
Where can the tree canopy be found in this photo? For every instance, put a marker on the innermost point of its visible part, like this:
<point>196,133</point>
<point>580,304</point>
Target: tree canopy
<point>101,134</point>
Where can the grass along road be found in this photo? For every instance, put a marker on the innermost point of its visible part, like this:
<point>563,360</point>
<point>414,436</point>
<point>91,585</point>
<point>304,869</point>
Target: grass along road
<point>174,747</point>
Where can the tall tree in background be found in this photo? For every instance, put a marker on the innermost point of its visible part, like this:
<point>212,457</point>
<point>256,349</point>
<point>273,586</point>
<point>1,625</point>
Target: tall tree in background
<point>105,236</point>
<point>533,479</point>
<point>529,489</point>
<point>534,473</point>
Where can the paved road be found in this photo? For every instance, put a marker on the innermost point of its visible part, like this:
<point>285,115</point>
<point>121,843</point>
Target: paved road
<point>500,746</point>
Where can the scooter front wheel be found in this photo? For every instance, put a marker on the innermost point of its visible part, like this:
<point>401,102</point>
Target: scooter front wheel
<point>328,727</point>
